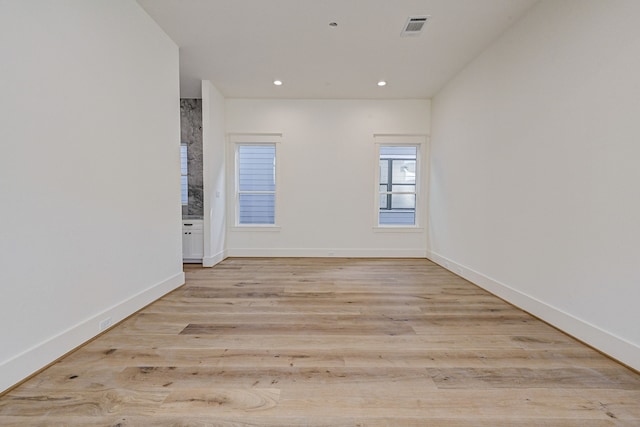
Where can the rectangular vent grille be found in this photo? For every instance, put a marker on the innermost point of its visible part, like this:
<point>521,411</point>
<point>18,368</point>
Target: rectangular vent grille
<point>414,25</point>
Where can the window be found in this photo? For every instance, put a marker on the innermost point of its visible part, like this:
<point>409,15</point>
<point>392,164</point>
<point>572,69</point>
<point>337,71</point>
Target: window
<point>256,184</point>
<point>397,185</point>
<point>184,175</point>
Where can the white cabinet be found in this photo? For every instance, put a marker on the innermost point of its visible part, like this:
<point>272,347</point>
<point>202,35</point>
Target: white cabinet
<point>192,240</point>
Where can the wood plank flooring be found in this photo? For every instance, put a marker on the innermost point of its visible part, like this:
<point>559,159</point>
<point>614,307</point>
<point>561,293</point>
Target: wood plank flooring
<point>329,342</point>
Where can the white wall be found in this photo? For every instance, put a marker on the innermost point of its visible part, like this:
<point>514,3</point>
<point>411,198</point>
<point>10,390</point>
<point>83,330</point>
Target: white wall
<point>213,153</point>
<point>326,167</point>
<point>535,181</point>
<point>89,173</point>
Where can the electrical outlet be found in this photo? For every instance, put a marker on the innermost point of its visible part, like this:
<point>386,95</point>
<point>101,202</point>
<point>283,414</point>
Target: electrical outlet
<point>104,324</point>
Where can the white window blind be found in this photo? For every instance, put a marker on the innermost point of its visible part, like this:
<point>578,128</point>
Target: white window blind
<point>184,175</point>
<point>256,183</point>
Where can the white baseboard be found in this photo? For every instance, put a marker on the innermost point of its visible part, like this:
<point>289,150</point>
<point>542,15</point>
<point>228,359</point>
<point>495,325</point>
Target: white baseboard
<point>610,344</point>
<point>210,261</point>
<point>327,253</point>
<point>21,366</point>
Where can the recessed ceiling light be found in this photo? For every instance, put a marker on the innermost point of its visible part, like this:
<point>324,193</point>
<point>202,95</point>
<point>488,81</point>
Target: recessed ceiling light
<point>382,83</point>
<point>277,82</point>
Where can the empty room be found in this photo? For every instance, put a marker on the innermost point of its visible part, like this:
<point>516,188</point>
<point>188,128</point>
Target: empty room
<point>320,213</point>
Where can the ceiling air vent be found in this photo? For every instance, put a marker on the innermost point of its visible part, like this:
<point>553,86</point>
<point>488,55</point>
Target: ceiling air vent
<point>413,26</point>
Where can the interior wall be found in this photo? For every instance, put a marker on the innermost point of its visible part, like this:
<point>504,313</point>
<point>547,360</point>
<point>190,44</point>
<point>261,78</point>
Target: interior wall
<point>534,181</point>
<point>326,170</point>
<point>214,161</point>
<point>89,174</point>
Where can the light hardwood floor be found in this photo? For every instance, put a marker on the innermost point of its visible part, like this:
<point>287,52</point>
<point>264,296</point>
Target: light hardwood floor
<point>329,342</point>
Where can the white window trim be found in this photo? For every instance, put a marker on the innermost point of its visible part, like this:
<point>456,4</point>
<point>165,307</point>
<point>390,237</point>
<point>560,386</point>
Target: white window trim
<point>236,139</point>
<point>420,142</point>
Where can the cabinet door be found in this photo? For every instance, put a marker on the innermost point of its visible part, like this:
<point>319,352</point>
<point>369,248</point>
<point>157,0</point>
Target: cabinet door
<point>192,240</point>
<point>197,243</point>
<point>186,244</point>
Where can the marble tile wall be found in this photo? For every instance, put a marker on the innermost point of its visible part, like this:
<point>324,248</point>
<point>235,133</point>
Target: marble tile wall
<point>191,134</point>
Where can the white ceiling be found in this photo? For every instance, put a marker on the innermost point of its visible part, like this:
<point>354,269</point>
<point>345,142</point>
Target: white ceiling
<point>241,46</point>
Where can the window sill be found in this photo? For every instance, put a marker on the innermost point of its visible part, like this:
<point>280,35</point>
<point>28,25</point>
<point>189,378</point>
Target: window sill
<point>397,229</point>
<point>252,228</point>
